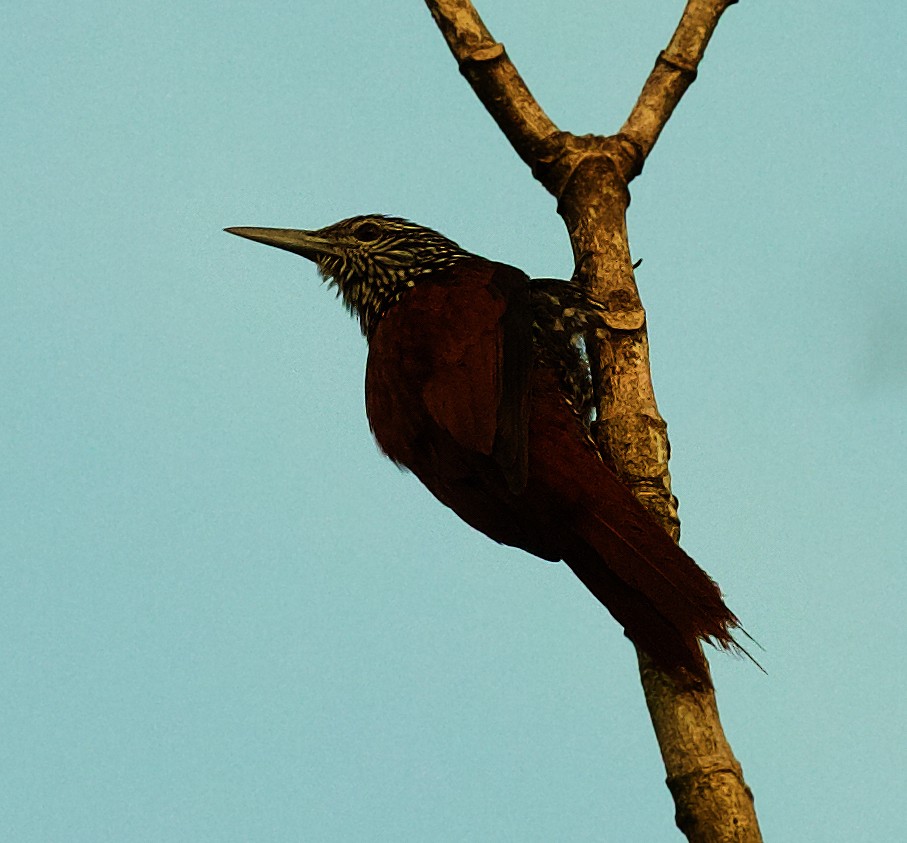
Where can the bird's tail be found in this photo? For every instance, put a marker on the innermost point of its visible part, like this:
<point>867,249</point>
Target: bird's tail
<point>666,603</point>
<point>660,605</point>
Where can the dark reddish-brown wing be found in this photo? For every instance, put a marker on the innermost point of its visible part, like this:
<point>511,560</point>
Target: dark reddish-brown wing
<point>449,370</point>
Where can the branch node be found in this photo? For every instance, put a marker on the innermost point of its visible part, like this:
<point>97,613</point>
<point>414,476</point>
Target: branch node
<point>557,157</point>
<point>678,63</point>
<point>629,319</point>
<point>487,52</point>
<point>689,779</point>
<point>633,155</point>
<point>552,163</point>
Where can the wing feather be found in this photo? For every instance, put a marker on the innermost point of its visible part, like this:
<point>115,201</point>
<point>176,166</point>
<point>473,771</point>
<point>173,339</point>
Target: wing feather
<point>459,345</point>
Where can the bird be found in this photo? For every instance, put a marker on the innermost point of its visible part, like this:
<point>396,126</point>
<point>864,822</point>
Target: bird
<point>478,382</point>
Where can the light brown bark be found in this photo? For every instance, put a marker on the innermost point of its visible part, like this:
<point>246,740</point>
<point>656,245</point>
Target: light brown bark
<point>590,176</point>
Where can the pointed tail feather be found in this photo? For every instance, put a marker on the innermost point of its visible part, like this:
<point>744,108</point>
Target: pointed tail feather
<point>666,603</point>
<point>642,623</point>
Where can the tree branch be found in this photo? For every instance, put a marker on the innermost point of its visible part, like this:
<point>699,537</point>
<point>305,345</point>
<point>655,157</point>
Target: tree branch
<point>493,77</point>
<point>589,175</point>
<point>674,72</point>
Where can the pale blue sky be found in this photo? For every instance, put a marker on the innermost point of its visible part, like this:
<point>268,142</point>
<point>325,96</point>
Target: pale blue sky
<point>224,617</point>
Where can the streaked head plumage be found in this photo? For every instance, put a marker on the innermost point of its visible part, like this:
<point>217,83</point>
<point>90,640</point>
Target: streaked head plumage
<point>371,259</point>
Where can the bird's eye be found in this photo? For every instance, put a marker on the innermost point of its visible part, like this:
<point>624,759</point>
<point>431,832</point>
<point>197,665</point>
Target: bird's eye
<point>367,231</point>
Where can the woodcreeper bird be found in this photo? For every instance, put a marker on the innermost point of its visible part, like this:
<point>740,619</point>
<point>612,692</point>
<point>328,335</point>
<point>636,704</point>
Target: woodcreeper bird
<point>478,383</point>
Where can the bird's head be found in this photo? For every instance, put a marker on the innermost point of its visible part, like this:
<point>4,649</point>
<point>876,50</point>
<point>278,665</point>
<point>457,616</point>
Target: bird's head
<point>371,260</point>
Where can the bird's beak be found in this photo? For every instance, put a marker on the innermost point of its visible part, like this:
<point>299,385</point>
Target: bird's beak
<point>306,243</point>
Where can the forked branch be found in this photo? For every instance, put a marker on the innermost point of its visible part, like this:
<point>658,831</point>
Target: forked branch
<point>590,175</point>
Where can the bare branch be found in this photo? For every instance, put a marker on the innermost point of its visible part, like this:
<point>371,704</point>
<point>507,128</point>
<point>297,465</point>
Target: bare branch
<point>589,175</point>
<point>498,85</point>
<point>674,72</point>
<point>713,802</point>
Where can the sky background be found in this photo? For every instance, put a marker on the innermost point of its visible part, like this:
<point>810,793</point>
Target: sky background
<point>225,617</point>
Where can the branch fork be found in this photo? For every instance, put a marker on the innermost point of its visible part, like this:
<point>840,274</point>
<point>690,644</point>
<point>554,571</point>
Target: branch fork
<point>590,176</point>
